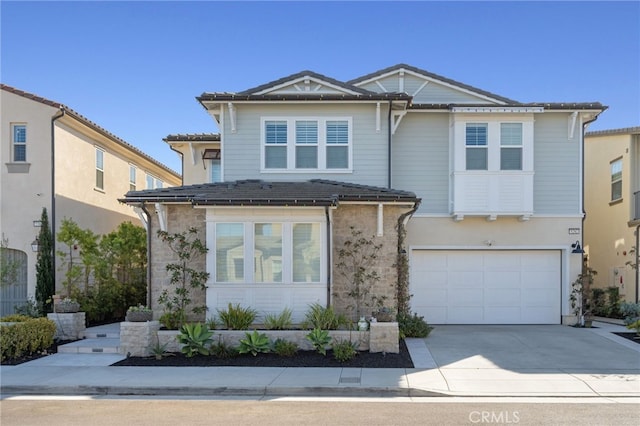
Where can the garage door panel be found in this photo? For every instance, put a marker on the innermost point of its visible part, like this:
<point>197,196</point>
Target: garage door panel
<point>501,279</point>
<point>486,286</point>
<point>459,279</point>
<point>502,297</point>
<point>502,315</point>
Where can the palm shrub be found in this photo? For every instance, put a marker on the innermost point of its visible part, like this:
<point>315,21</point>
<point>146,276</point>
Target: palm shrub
<point>254,343</point>
<point>196,339</point>
<point>281,321</point>
<point>324,318</point>
<point>235,317</point>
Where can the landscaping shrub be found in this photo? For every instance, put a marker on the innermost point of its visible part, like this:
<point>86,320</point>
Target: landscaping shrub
<point>344,350</point>
<point>196,339</point>
<point>235,317</point>
<point>26,336</point>
<point>324,318</point>
<point>255,343</point>
<point>281,321</point>
<point>222,350</point>
<point>319,339</point>
<point>285,348</point>
<point>413,326</point>
<point>630,311</point>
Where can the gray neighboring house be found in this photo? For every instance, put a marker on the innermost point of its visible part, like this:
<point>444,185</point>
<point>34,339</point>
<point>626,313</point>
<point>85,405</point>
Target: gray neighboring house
<point>488,191</point>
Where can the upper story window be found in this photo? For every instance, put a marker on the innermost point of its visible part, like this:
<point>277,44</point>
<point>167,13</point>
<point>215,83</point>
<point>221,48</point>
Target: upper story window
<point>476,146</point>
<point>132,177</point>
<point>212,156</point>
<point>510,146</point>
<point>153,182</point>
<point>19,145</point>
<point>99,169</point>
<point>299,144</point>
<point>616,179</point>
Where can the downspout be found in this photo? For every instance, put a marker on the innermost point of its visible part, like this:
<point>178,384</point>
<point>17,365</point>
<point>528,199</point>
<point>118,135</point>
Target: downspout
<point>637,259</point>
<point>402,260</point>
<point>584,213</point>
<point>53,193</point>
<point>329,281</point>
<point>389,146</point>
<point>143,207</point>
<point>181,163</point>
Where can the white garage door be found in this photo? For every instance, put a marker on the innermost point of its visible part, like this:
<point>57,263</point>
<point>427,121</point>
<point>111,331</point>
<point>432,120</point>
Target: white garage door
<point>486,287</point>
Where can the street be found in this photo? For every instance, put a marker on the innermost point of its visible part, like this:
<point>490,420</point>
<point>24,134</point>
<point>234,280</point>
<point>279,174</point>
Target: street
<point>68,411</point>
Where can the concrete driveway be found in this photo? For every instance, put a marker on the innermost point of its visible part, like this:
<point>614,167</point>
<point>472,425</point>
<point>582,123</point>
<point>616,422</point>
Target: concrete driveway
<point>533,360</point>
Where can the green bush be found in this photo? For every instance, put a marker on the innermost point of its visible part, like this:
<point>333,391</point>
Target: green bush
<point>319,339</point>
<point>324,318</point>
<point>413,326</point>
<point>281,321</point>
<point>236,317</point>
<point>255,343</point>
<point>25,337</point>
<point>344,350</point>
<point>285,348</point>
<point>630,311</point>
<point>196,339</point>
<point>223,350</point>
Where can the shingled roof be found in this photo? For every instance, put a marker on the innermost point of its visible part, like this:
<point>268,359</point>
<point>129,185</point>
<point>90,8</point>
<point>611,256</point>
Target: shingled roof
<point>316,192</point>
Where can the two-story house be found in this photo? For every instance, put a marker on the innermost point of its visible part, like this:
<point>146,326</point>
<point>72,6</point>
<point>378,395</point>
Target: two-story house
<point>52,157</point>
<point>612,203</point>
<point>480,193</point>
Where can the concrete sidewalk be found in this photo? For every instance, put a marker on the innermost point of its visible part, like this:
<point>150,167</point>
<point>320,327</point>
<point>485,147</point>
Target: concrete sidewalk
<point>455,361</point>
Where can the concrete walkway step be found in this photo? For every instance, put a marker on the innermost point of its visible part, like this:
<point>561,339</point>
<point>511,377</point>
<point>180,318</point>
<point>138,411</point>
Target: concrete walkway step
<point>92,346</point>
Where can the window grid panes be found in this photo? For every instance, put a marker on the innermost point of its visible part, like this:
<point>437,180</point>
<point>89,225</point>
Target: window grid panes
<point>99,168</point>
<point>306,252</point>
<point>616,180</point>
<point>276,144</point>
<point>306,144</point>
<point>230,252</point>
<point>19,142</point>
<point>511,146</point>
<point>215,169</point>
<point>337,144</point>
<point>476,146</point>
<point>132,178</point>
<point>267,253</point>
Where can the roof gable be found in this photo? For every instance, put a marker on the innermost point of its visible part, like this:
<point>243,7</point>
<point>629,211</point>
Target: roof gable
<point>305,82</point>
<point>426,87</point>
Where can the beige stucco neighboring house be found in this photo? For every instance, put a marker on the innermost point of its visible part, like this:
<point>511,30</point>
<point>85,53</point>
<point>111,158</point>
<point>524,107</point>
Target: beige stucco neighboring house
<point>52,157</point>
<point>612,205</point>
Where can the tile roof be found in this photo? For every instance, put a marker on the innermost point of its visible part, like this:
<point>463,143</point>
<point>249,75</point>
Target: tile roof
<point>622,131</point>
<point>87,123</point>
<point>316,192</point>
<point>302,74</point>
<point>193,137</point>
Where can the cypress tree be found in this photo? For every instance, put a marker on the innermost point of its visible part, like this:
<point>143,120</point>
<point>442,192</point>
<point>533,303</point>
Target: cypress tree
<point>45,277</point>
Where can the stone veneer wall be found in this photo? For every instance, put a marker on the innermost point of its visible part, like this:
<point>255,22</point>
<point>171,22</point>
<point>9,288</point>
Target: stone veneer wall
<point>365,218</point>
<point>179,219</point>
<point>138,338</point>
<point>69,326</point>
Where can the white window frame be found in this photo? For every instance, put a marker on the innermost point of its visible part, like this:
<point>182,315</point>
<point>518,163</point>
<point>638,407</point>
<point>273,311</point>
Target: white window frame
<point>154,181</point>
<point>15,143</point>
<point>479,148</point>
<point>510,146</point>
<point>287,222</point>
<point>292,145</point>
<point>100,154</point>
<point>133,171</point>
<point>616,178</point>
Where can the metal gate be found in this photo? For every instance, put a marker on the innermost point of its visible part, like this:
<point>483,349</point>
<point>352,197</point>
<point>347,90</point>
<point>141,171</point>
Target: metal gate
<point>14,292</point>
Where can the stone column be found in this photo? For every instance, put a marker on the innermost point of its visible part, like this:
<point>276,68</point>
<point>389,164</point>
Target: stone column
<point>69,326</point>
<point>138,338</point>
<point>384,337</point>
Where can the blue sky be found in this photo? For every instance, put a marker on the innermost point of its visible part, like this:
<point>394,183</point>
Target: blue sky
<point>135,68</point>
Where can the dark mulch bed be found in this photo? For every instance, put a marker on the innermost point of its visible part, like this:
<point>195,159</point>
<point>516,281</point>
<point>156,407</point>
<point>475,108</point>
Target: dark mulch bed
<point>302,359</point>
<point>46,352</point>
<point>629,336</point>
